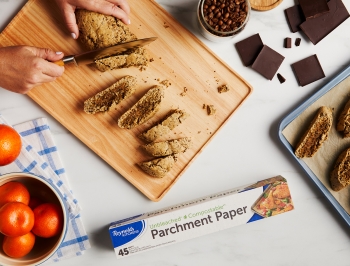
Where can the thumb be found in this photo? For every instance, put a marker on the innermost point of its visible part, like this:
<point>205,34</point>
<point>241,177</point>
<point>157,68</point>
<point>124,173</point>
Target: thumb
<point>71,22</point>
<point>48,54</point>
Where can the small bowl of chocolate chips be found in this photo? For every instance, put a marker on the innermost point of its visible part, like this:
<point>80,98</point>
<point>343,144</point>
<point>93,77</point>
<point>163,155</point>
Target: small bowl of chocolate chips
<point>221,20</point>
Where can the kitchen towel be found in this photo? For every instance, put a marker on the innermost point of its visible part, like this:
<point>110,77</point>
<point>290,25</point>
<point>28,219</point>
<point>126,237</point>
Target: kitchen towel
<point>39,155</point>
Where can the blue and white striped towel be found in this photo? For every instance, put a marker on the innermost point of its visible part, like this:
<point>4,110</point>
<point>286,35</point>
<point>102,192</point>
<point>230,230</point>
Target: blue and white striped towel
<point>40,156</point>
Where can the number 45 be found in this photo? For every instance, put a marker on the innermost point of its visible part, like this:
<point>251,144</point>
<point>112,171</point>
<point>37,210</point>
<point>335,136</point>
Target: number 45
<point>123,252</point>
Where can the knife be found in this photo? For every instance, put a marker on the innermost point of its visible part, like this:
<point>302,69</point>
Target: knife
<point>91,56</point>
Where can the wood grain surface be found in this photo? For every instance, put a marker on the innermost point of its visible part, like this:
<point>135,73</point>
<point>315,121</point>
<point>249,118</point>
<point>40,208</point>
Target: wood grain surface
<point>264,5</point>
<point>178,56</point>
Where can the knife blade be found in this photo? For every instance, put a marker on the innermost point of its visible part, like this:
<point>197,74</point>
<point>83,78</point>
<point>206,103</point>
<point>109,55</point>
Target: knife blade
<point>90,56</point>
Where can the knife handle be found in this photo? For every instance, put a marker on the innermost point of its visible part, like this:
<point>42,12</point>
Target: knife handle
<point>65,60</point>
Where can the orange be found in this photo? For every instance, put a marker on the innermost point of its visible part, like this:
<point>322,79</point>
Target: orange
<point>16,219</point>
<point>48,220</point>
<point>10,144</point>
<point>14,191</point>
<point>18,246</point>
<point>34,202</point>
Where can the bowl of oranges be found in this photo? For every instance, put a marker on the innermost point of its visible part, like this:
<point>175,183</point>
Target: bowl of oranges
<point>33,219</point>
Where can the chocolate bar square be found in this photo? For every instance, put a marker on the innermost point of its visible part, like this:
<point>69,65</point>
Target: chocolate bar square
<point>313,8</point>
<point>249,48</point>
<point>308,70</point>
<point>318,28</point>
<point>294,17</point>
<point>268,62</point>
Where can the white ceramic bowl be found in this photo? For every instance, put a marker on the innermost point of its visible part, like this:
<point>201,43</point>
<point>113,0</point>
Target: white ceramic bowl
<point>43,248</point>
<point>218,36</point>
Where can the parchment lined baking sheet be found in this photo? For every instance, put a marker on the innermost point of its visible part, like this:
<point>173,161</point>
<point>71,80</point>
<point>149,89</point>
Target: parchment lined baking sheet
<point>323,161</point>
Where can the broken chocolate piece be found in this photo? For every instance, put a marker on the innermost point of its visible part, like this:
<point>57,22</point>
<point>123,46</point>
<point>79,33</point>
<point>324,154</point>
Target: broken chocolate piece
<point>318,28</point>
<point>287,42</point>
<point>308,70</point>
<point>294,17</point>
<point>268,62</point>
<point>249,48</point>
<point>313,8</point>
<point>297,41</point>
<point>280,78</point>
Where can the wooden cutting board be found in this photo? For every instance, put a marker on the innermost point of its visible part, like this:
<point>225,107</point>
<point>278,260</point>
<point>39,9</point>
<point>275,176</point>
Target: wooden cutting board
<point>177,56</point>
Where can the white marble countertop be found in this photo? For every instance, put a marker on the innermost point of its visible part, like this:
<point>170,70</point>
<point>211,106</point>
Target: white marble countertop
<point>247,149</point>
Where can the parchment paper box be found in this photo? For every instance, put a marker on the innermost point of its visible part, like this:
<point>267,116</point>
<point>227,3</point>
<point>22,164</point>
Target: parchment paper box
<point>202,216</point>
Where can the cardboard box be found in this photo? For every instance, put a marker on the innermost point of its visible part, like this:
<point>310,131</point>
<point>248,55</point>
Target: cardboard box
<point>202,216</point>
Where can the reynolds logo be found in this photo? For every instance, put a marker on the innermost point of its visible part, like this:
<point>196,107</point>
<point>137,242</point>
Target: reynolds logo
<point>125,232</point>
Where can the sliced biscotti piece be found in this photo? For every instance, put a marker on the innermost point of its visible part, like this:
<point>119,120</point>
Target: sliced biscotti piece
<point>171,120</point>
<point>136,58</point>
<point>316,134</point>
<point>169,147</point>
<point>158,167</point>
<point>344,121</point>
<point>340,177</point>
<point>144,109</point>
<point>110,97</point>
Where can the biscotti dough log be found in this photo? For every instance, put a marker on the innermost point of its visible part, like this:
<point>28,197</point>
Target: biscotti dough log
<point>344,121</point>
<point>144,109</point>
<point>169,147</point>
<point>99,31</point>
<point>171,120</point>
<point>316,134</point>
<point>340,176</point>
<point>110,97</point>
<point>158,167</point>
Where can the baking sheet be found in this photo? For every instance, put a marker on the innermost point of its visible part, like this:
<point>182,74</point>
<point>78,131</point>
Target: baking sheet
<point>335,94</point>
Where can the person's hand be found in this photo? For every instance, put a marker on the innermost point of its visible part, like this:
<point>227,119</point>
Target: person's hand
<point>24,67</point>
<point>117,8</point>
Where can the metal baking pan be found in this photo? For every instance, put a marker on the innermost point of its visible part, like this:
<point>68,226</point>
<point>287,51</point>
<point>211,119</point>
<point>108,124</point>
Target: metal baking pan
<point>293,115</point>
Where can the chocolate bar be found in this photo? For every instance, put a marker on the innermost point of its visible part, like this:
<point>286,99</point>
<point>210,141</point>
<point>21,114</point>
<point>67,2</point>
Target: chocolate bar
<point>249,48</point>
<point>318,28</point>
<point>268,62</point>
<point>308,70</point>
<point>313,8</point>
<point>294,17</point>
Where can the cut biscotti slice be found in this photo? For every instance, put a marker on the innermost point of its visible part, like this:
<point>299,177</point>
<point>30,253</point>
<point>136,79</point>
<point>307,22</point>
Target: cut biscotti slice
<point>99,31</point>
<point>144,109</point>
<point>169,147</point>
<point>340,176</point>
<point>110,97</point>
<point>171,120</point>
<point>344,121</point>
<point>137,57</point>
<point>158,167</point>
<point>316,134</point>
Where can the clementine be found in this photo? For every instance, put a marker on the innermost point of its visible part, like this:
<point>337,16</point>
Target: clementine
<point>18,246</point>
<point>14,191</point>
<point>16,219</point>
<point>48,220</point>
<point>10,144</point>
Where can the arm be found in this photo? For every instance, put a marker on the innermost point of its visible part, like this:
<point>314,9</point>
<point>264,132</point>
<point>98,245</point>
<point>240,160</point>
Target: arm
<point>117,8</point>
<point>24,67</point>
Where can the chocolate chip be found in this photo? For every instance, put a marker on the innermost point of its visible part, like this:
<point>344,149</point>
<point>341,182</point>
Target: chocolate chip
<point>297,41</point>
<point>281,78</point>
<point>288,42</point>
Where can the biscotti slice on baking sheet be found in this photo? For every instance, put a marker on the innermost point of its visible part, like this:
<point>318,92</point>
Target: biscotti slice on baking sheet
<point>340,177</point>
<point>100,31</point>
<point>344,121</point>
<point>316,134</point>
<point>158,167</point>
<point>144,109</point>
<point>171,120</point>
<point>110,97</point>
<point>169,147</point>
